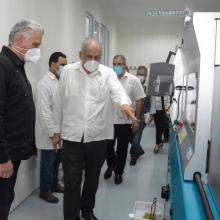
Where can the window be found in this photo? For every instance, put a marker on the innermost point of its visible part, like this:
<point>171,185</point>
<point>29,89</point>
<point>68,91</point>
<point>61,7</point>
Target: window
<point>100,33</point>
<point>96,30</point>
<point>102,41</point>
<point>88,25</point>
<point>107,47</point>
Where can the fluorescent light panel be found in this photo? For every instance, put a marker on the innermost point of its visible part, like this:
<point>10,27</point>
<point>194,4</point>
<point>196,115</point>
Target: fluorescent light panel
<point>167,13</point>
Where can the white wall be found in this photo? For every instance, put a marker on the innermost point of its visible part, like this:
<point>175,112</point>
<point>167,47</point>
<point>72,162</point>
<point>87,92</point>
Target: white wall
<point>63,21</point>
<point>144,41</point>
<point>141,41</point>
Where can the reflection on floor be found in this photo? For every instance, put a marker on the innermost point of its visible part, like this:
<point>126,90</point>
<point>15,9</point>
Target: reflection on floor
<point>113,202</point>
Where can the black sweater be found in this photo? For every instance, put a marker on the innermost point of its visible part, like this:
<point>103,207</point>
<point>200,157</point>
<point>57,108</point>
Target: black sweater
<point>17,110</point>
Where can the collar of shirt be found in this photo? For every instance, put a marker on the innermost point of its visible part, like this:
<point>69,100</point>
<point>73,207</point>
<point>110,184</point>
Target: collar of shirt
<point>13,57</point>
<point>124,76</point>
<point>52,76</point>
<point>85,73</point>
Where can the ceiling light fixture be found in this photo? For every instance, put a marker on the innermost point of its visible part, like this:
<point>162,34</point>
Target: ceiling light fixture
<point>182,13</point>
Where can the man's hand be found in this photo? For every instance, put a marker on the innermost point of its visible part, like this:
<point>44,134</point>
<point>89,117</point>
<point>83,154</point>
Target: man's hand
<point>6,169</point>
<point>128,111</point>
<point>151,118</point>
<point>135,125</point>
<point>56,140</point>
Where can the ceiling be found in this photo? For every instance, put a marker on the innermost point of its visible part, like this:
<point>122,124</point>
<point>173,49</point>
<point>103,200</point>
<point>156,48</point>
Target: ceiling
<point>135,9</point>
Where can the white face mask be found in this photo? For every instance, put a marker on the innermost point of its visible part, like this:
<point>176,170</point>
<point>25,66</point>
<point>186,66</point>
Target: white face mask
<point>32,55</point>
<point>91,65</point>
<point>141,78</point>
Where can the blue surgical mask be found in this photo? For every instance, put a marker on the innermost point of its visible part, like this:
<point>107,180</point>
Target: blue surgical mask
<point>59,71</point>
<point>119,70</point>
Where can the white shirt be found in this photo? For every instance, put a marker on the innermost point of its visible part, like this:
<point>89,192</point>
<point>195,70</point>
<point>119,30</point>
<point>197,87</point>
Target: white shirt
<point>82,105</point>
<point>46,92</point>
<point>134,90</point>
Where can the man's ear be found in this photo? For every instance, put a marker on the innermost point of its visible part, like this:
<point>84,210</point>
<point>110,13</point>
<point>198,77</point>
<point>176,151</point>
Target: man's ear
<point>20,40</point>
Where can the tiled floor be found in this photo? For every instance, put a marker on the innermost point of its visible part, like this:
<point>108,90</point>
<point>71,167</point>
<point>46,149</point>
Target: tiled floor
<point>113,202</point>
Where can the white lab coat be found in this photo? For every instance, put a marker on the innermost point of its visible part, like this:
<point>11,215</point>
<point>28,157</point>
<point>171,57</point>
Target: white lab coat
<point>46,92</point>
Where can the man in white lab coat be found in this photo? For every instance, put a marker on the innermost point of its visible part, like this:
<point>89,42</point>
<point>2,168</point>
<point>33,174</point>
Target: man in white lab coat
<point>83,120</point>
<point>50,157</point>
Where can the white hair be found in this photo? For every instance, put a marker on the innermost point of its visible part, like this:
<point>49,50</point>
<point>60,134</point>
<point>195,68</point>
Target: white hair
<point>89,41</point>
<point>26,28</point>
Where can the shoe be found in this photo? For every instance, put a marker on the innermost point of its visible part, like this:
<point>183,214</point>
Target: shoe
<point>118,179</point>
<point>133,160</point>
<point>108,173</point>
<point>142,152</point>
<point>89,216</point>
<point>158,147</point>
<point>48,197</point>
<point>58,189</point>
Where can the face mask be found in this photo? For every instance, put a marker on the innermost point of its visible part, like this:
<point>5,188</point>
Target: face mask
<point>59,71</point>
<point>32,55</point>
<point>91,65</point>
<point>119,70</point>
<point>141,78</point>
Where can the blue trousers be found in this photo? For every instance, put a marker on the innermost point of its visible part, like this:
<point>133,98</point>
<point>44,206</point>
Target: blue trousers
<point>49,169</point>
<point>136,148</point>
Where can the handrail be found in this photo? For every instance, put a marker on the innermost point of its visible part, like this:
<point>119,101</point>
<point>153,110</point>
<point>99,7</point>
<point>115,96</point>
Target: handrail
<point>207,209</point>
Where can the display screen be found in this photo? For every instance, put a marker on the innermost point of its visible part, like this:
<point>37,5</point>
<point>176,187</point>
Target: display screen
<point>161,79</point>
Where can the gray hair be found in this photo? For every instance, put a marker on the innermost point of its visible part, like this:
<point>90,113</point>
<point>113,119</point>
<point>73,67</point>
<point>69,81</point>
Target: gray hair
<point>120,56</point>
<point>26,28</point>
<point>89,41</point>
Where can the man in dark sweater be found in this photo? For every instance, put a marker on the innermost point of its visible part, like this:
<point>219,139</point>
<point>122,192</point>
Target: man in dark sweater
<point>17,110</point>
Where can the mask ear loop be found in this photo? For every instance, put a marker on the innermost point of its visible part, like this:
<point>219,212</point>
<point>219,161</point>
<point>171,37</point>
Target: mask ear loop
<point>14,47</point>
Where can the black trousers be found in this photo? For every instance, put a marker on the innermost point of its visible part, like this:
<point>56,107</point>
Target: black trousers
<point>78,157</point>
<point>7,192</point>
<point>162,126</point>
<point>117,160</point>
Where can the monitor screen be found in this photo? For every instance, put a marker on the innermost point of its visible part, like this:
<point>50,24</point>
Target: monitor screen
<point>160,79</point>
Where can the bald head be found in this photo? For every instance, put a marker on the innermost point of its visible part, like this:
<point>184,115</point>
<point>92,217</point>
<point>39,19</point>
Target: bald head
<point>90,44</point>
<point>90,53</point>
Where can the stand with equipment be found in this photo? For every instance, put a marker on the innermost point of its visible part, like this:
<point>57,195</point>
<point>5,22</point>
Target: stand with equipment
<point>193,164</point>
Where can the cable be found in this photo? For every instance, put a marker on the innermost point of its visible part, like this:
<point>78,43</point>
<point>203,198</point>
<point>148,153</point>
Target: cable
<point>178,105</point>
